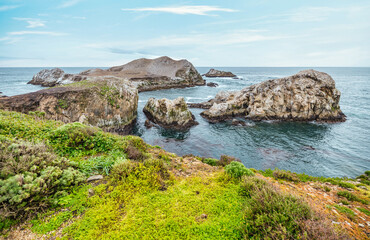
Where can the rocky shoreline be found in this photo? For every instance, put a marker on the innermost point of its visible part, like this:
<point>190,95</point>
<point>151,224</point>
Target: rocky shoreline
<point>109,98</point>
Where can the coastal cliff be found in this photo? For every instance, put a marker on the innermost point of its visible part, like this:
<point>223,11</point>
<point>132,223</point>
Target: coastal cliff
<point>109,104</point>
<point>306,96</point>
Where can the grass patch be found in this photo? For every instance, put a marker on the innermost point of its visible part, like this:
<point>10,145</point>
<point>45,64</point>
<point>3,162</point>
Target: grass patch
<point>367,212</point>
<point>348,212</point>
<point>351,197</point>
<point>192,208</point>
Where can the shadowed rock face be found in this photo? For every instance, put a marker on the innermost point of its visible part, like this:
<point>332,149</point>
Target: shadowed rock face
<point>218,73</point>
<point>145,74</point>
<point>169,113</point>
<point>111,105</point>
<point>309,95</point>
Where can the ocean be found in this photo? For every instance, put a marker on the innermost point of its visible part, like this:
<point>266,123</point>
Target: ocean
<point>318,149</point>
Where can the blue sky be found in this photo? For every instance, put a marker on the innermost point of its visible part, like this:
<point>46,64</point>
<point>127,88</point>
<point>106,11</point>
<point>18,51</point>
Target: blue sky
<point>64,33</point>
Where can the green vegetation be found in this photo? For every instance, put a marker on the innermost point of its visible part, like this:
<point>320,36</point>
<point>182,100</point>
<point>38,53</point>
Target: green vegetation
<point>351,197</point>
<point>237,170</point>
<point>44,164</point>
<point>350,214</point>
<point>367,212</point>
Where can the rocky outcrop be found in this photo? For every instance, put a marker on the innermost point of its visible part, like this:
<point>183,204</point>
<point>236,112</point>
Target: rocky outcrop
<point>145,74</point>
<point>306,96</point>
<point>212,84</point>
<point>53,77</point>
<point>2,95</point>
<point>110,104</point>
<point>169,113</point>
<point>218,73</point>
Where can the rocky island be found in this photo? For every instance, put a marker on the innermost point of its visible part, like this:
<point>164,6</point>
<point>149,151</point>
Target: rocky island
<point>306,96</point>
<point>173,114</point>
<point>217,73</point>
<point>145,74</point>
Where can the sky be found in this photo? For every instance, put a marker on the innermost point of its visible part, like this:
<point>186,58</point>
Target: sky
<point>239,33</point>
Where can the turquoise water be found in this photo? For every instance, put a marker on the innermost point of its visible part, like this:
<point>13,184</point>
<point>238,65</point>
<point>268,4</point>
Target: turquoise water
<point>332,150</point>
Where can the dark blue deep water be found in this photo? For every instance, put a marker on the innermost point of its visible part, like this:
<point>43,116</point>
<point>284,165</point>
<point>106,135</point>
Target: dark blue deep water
<point>332,150</point>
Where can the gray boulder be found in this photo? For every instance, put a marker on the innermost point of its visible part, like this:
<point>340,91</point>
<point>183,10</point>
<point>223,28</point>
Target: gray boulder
<point>306,96</point>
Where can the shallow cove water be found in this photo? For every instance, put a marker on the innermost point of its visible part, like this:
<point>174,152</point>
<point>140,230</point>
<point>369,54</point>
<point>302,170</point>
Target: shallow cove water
<point>331,150</point>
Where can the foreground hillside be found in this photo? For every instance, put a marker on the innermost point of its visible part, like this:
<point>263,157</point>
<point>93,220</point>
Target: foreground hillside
<point>140,191</point>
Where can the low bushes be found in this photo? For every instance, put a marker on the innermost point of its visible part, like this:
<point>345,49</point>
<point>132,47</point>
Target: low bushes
<point>226,160</point>
<point>31,175</point>
<point>237,170</point>
<point>285,175</point>
<point>270,214</point>
<point>351,197</point>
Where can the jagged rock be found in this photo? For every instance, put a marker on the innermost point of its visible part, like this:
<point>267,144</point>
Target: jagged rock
<point>2,95</point>
<point>236,122</point>
<point>218,73</point>
<point>169,113</point>
<point>53,77</point>
<point>145,74</point>
<point>110,104</point>
<point>221,96</point>
<point>212,84</point>
<point>306,96</point>
<point>94,178</point>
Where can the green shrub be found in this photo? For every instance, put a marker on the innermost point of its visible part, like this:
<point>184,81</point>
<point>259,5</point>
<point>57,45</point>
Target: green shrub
<point>31,176</point>
<point>101,164</point>
<point>346,185</point>
<point>270,214</point>
<point>349,213</point>
<point>285,175</point>
<point>210,161</point>
<point>351,197</point>
<point>367,212</point>
<point>237,170</point>
<point>226,160</point>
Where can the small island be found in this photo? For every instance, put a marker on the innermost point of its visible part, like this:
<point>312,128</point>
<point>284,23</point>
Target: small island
<point>213,73</point>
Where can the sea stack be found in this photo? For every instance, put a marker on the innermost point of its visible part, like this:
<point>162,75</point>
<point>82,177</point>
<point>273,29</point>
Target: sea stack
<point>306,96</point>
<point>173,114</point>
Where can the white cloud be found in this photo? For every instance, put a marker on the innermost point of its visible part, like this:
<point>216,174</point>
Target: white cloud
<point>10,40</point>
<point>196,10</point>
<point>69,3</point>
<point>36,33</point>
<point>32,23</point>
<point>8,7</point>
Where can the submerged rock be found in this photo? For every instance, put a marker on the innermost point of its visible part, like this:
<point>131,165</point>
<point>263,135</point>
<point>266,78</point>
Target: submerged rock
<point>109,104</point>
<point>218,73</point>
<point>237,122</point>
<point>170,113</point>
<point>212,84</point>
<point>306,96</point>
<point>145,74</point>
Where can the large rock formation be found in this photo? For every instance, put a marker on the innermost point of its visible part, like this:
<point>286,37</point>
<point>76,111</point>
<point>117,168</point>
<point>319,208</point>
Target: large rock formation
<point>218,73</point>
<point>306,96</point>
<point>53,77</point>
<point>145,74</point>
<point>110,104</point>
<point>169,113</point>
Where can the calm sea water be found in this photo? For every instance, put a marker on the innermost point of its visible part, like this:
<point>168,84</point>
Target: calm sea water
<point>332,150</point>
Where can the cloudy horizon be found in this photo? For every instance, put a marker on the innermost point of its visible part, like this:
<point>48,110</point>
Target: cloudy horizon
<point>81,33</point>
